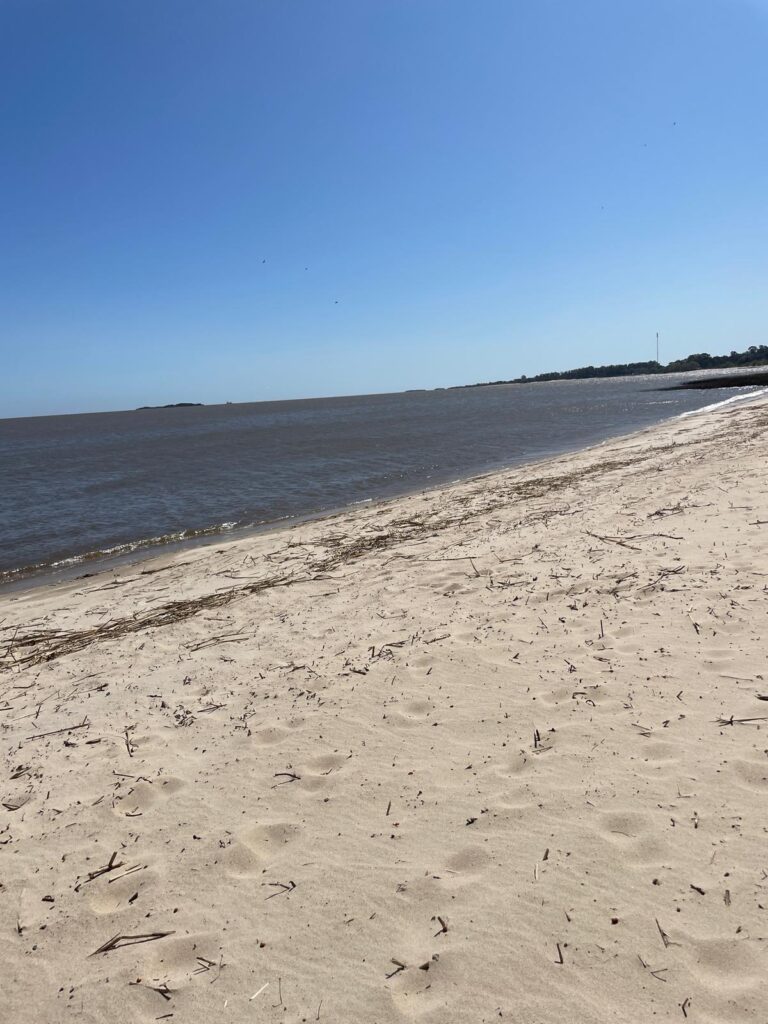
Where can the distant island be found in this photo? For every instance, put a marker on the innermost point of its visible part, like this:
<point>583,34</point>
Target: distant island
<point>755,355</point>
<point>174,405</point>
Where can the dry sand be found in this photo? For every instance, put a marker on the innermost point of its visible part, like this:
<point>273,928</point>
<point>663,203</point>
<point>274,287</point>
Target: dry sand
<point>494,752</point>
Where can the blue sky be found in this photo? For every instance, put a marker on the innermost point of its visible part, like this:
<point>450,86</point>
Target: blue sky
<point>443,191</point>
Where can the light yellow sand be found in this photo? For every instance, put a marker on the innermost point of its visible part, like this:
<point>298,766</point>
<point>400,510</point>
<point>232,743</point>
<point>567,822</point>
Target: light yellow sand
<point>497,752</point>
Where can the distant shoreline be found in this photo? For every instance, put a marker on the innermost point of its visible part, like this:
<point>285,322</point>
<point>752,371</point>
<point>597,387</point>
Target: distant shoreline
<point>733,380</point>
<point>754,356</point>
<point>173,405</point>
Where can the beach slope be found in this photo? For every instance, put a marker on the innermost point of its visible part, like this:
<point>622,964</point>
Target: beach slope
<point>495,752</point>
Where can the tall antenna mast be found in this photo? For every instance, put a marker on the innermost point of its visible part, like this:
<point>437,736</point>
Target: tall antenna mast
<point>657,346</point>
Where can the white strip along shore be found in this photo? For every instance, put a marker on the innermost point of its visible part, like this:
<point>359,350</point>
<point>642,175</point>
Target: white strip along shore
<point>494,752</point>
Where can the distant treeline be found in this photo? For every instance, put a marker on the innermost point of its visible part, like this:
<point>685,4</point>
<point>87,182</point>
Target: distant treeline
<point>173,405</point>
<point>755,355</point>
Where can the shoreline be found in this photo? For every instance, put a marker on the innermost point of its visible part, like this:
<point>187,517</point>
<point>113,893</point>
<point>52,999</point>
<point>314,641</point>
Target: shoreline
<point>136,552</point>
<point>495,748</point>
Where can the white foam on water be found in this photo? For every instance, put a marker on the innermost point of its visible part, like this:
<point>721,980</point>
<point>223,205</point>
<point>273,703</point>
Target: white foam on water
<point>117,551</point>
<point>726,401</point>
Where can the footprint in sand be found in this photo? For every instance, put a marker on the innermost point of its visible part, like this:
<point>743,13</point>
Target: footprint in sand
<point>270,838</point>
<point>726,963</point>
<point>463,867</point>
<point>421,988</point>
<point>515,766</point>
<point>239,860</point>
<point>752,775</point>
<point>178,959</point>
<point>660,751</point>
<point>421,661</point>
<point>327,763</point>
<point>625,630</point>
<point>169,784</point>
<point>257,847</point>
<point>415,712</point>
<point>629,831</point>
<point>114,895</point>
<point>320,771</point>
<point>270,735</point>
<point>134,800</point>
<point>470,860</point>
<point>397,720</point>
<point>418,708</point>
<point>625,823</point>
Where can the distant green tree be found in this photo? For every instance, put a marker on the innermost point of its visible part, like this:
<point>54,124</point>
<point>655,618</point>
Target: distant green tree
<point>755,355</point>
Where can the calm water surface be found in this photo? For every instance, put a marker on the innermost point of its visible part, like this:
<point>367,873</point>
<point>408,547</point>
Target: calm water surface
<point>73,487</point>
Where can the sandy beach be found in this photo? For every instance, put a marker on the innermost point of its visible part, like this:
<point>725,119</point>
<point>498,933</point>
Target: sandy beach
<point>494,752</point>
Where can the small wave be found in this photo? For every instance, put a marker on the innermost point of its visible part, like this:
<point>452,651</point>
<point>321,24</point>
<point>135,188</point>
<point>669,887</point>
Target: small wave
<point>726,401</point>
<point>116,551</point>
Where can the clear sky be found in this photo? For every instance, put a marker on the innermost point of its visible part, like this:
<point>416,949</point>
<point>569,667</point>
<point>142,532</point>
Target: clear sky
<point>211,200</point>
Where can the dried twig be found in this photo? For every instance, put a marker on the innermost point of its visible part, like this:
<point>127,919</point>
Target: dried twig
<point>283,887</point>
<point>110,866</point>
<point>85,724</point>
<point>118,941</point>
<point>399,966</point>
